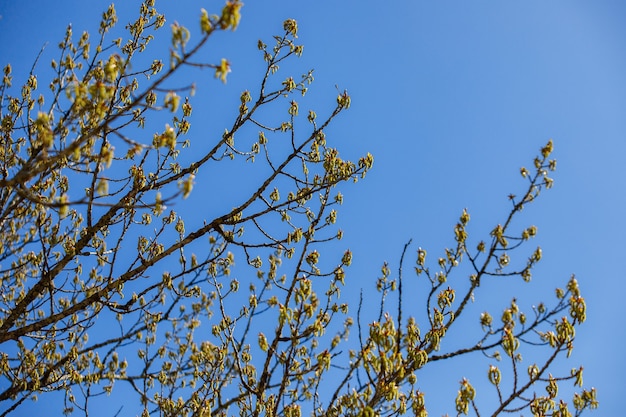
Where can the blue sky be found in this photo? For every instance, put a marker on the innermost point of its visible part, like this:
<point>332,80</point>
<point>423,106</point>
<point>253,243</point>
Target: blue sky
<point>451,98</point>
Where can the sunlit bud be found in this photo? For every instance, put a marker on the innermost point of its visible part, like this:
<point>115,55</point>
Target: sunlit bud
<point>343,100</point>
<point>464,397</point>
<point>578,308</point>
<point>205,22</point>
<point>293,109</point>
<point>347,258</point>
<point>494,375</point>
<point>313,257</point>
<point>552,165</point>
<point>167,138</point>
<point>187,185</point>
<point>578,373</point>
<point>289,84</point>
<point>563,411</point>
<point>180,35</point>
<point>187,108</point>
<point>420,357</point>
<point>180,226</point>
<point>524,172</point>
<point>465,217</point>
<point>102,187</point>
<point>367,161</point>
<point>548,181</point>
<point>552,388</point>
<point>533,372</point>
<point>222,70</point>
<point>421,256</point>
<point>32,82</point>
<point>112,68</point>
<point>460,235</point>
<point>507,316</point>
<point>332,217</point>
<point>340,275</point>
<point>473,278</point>
<point>291,27</point>
<point>64,207</point>
<point>159,207</point>
<point>172,101</point>
<point>572,286</point>
<point>509,342</point>
<point>547,150</point>
<point>275,196</point>
<point>151,98</point>
<point>231,15</point>
<point>44,131</point>
<point>486,319</point>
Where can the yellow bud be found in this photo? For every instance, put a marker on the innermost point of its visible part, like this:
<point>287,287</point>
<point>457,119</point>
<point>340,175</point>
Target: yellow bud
<point>231,15</point>
<point>222,70</point>
<point>187,185</point>
<point>343,100</point>
<point>172,101</point>
<point>291,27</point>
<point>494,375</point>
<point>547,150</point>
<point>205,22</point>
<point>293,109</point>
<point>347,258</point>
<point>275,196</point>
<point>465,217</point>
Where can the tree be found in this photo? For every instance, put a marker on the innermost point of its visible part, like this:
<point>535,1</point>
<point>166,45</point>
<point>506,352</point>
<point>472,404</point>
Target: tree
<point>104,286</point>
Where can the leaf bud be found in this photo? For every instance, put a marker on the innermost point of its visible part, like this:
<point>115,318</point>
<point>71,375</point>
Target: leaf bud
<point>275,196</point>
<point>291,27</point>
<point>494,375</point>
<point>465,217</point>
<point>293,108</point>
<point>547,150</point>
<point>347,258</point>
<point>421,256</point>
<point>231,15</point>
<point>205,22</point>
<point>222,70</point>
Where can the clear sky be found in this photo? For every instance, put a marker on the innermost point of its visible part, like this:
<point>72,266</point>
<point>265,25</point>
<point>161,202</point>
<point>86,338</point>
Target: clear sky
<point>451,98</point>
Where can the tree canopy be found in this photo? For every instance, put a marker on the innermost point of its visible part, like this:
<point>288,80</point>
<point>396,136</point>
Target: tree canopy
<point>236,308</point>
